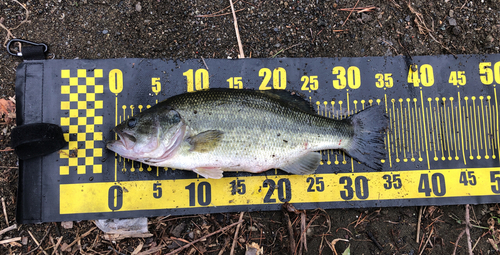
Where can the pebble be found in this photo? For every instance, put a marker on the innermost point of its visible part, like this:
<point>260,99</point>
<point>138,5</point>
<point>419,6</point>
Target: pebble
<point>451,13</point>
<point>105,31</point>
<point>138,6</point>
<point>177,231</point>
<point>67,224</point>
<point>452,21</point>
<point>456,30</point>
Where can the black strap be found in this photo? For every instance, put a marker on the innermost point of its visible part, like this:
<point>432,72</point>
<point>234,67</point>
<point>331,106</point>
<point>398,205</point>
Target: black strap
<point>33,52</point>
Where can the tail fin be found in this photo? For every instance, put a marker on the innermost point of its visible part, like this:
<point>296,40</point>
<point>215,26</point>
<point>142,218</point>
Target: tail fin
<point>367,145</point>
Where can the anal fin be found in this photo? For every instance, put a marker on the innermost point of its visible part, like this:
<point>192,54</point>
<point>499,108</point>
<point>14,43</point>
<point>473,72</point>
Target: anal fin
<point>209,172</point>
<point>304,165</point>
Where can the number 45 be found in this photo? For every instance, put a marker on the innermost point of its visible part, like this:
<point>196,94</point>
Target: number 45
<point>457,78</point>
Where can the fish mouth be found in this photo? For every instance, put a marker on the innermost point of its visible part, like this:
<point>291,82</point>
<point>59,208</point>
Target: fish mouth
<point>127,140</point>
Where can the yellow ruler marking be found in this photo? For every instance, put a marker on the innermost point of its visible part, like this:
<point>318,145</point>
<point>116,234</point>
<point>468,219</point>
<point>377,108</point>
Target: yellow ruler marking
<point>486,156</point>
<point>425,128</point>
<point>403,130</point>
<point>180,194</point>
<point>116,137</point>
<point>439,129</point>
<point>448,131</point>
<point>496,118</point>
<point>432,129</point>
<point>454,129</point>
<point>445,129</point>
<point>395,120</point>
<point>475,128</point>
<point>411,135</point>
<point>416,121</point>
<point>461,128</point>
<point>387,140</point>
<point>468,118</point>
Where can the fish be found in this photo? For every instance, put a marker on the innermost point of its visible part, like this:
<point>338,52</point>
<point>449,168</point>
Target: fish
<point>225,130</point>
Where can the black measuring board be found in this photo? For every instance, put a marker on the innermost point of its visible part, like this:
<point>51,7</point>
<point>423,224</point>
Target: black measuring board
<point>442,143</point>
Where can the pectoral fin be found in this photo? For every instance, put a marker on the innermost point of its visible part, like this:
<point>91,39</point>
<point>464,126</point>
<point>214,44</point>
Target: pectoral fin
<point>205,141</point>
<point>304,165</point>
<point>209,172</point>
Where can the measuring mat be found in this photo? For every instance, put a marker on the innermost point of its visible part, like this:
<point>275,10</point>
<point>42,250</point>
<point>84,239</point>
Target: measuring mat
<point>442,143</point>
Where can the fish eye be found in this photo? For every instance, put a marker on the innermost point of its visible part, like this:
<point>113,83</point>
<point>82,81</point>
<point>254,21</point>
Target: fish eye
<point>131,122</point>
<point>174,116</point>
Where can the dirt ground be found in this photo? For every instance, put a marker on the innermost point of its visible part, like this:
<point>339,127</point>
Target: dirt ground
<point>186,29</point>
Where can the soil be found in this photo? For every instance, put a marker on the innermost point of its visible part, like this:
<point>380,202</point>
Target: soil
<point>98,29</point>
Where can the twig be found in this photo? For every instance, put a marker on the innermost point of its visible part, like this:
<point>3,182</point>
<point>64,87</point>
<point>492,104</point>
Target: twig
<point>80,237</point>
<point>236,234</point>
<point>359,9</point>
<point>5,230</point>
<point>242,55</point>
<point>375,241</point>
<point>218,11</point>
<point>303,229</point>
<point>350,13</point>
<point>9,31</point>
<point>418,224</point>
<point>205,63</point>
<point>7,149</point>
<point>57,245</point>
<point>5,212</point>
<point>202,238</point>
<point>226,243</point>
<point>467,224</point>
<point>282,50</point>
<point>15,239</point>
<point>458,239</point>
<point>290,231</point>
<point>429,238</point>
<point>442,45</point>
<point>37,243</point>
<point>152,250</point>
<point>217,15</point>
<point>9,167</point>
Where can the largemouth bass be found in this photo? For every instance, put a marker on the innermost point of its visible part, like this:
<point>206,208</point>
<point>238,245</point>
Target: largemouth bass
<point>217,130</point>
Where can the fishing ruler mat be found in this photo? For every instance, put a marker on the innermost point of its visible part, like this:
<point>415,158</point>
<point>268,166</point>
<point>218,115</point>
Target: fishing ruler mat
<point>442,143</point>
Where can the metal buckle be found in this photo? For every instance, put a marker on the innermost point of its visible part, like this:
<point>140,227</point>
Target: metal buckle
<point>20,54</point>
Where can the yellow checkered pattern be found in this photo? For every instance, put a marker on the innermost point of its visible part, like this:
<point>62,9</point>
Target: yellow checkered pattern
<point>83,113</point>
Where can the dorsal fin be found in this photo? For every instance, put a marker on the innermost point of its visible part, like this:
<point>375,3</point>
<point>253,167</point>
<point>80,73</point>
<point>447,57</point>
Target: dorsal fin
<point>291,99</point>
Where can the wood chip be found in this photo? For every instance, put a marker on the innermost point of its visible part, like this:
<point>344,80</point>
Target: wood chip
<point>15,239</point>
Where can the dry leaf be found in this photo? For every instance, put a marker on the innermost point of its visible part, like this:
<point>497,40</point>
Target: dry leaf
<point>7,109</point>
<point>494,244</point>
<point>254,249</point>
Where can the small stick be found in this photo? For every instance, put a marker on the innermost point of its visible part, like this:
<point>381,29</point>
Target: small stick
<point>57,246</point>
<point>303,229</point>
<point>236,234</point>
<point>5,230</point>
<point>350,13</point>
<point>217,15</point>
<point>429,238</point>
<point>290,231</point>
<point>204,62</point>
<point>37,243</point>
<point>467,224</point>
<point>202,238</point>
<point>418,224</point>
<point>80,237</point>
<point>458,239</point>
<point>374,241</point>
<point>15,239</point>
<point>242,55</point>
<point>5,212</point>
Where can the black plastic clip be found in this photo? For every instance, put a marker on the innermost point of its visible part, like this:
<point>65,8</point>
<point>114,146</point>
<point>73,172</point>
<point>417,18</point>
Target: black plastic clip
<point>35,51</point>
